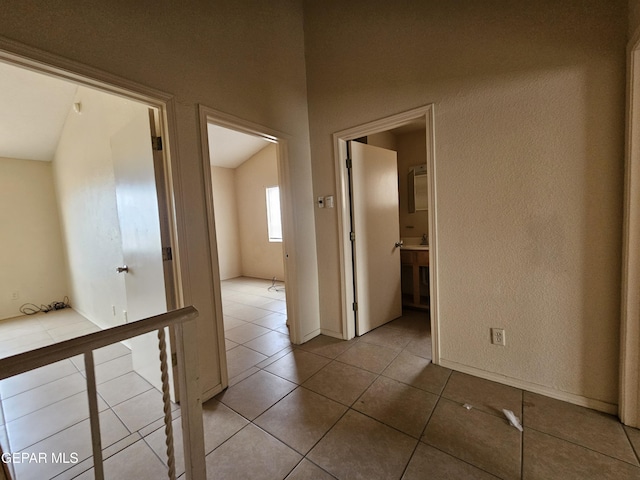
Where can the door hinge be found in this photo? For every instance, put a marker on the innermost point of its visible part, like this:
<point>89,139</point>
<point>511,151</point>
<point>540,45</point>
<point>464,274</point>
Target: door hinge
<point>352,236</point>
<point>355,306</point>
<point>156,143</point>
<point>167,254</point>
<point>349,163</point>
<point>174,359</point>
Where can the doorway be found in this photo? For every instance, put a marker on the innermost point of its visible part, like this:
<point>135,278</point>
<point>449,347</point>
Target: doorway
<point>245,173</point>
<point>104,193</point>
<point>404,122</point>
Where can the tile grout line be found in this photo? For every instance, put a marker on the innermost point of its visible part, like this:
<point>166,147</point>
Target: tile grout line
<point>584,447</point>
<point>440,397</point>
<point>378,375</point>
<point>631,443</point>
<point>38,386</point>
<point>68,396</point>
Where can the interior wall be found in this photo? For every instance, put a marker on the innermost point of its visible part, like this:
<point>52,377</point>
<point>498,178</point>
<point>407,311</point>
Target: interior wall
<point>85,185</point>
<point>529,128</point>
<point>225,208</point>
<point>383,140</point>
<point>260,257</point>
<point>634,17</point>
<point>412,151</point>
<point>251,66</point>
<point>32,255</point>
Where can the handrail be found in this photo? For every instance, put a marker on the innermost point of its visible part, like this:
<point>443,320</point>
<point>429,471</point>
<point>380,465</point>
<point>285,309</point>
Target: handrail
<point>23,362</point>
<point>188,376</point>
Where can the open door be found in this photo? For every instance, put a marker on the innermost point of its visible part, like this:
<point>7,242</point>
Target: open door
<point>138,215</point>
<point>376,224</point>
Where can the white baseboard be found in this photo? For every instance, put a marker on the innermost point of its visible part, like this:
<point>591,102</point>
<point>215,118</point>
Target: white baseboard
<point>211,392</point>
<point>311,335</point>
<point>592,403</point>
<point>331,333</point>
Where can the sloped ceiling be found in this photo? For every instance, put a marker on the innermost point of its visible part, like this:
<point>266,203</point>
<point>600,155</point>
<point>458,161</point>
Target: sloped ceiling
<point>33,109</point>
<point>229,148</point>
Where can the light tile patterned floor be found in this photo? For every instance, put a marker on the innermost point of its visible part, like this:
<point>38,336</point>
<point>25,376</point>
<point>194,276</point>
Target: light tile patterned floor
<point>371,408</point>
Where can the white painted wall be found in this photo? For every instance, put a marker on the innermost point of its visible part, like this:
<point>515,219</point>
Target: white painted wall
<point>529,125</point>
<point>260,258</point>
<point>32,261</point>
<point>85,184</point>
<point>226,217</point>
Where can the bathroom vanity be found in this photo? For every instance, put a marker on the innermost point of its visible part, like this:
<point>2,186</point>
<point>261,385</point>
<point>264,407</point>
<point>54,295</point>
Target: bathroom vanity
<point>417,258</point>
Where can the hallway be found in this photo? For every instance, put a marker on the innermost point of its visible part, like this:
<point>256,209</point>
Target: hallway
<point>371,408</point>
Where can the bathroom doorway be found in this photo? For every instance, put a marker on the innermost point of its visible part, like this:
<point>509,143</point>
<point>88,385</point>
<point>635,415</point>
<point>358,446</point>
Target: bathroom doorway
<point>243,168</point>
<point>414,129</point>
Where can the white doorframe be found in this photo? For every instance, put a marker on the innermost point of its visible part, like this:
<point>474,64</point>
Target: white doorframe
<point>29,58</point>
<point>628,405</point>
<point>210,116</point>
<point>342,198</point>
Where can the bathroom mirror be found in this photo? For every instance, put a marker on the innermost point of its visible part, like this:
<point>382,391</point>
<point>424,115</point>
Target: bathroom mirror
<point>418,198</point>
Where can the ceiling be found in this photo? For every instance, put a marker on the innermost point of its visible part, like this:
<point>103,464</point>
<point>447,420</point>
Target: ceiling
<point>34,109</point>
<point>230,148</point>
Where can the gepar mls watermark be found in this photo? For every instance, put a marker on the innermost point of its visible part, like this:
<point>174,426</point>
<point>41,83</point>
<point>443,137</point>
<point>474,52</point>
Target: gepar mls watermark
<point>40,457</point>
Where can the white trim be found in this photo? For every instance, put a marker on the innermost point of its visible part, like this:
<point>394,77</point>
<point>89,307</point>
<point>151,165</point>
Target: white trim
<point>52,65</point>
<point>592,403</point>
<point>209,115</point>
<point>271,212</point>
<point>35,60</point>
<point>342,208</point>
<point>311,335</point>
<point>629,411</point>
<point>328,333</point>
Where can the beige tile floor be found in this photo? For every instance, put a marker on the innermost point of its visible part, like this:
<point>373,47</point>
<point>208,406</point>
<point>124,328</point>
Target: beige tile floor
<point>371,408</point>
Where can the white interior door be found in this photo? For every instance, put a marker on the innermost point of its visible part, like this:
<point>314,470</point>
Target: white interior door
<point>374,180</point>
<point>137,202</point>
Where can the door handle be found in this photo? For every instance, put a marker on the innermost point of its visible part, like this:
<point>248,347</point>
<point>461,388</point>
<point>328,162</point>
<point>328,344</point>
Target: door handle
<point>123,269</point>
<point>399,244</point>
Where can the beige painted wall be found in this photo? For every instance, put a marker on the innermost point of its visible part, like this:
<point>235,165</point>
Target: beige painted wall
<point>529,122</point>
<point>412,151</point>
<point>85,184</point>
<point>260,257</point>
<point>634,17</point>
<point>383,140</point>
<point>241,222</point>
<point>226,217</point>
<point>245,58</point>
<point>32,256</point>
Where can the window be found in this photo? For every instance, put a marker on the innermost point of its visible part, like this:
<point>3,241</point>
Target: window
<point>274,220</point>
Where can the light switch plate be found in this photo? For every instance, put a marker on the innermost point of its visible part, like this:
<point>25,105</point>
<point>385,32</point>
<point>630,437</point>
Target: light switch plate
<point>328,201</point>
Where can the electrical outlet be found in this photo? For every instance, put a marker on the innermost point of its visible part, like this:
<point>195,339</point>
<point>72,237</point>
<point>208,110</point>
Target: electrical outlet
<point>126,317</point>
<point>497,336</point>
<point>113,309</point>
<point>15,295</point>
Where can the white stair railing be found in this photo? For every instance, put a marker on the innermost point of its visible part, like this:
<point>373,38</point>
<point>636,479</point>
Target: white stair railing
<point>188,381</point>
